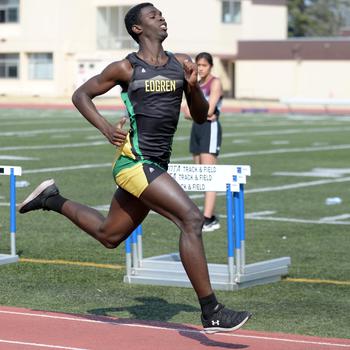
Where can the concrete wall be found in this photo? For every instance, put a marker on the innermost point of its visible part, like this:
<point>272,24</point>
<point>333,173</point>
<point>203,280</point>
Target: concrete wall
<point>293,78</point>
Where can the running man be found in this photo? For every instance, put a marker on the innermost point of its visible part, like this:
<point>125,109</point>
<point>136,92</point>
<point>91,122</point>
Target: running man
<point>152,82</point>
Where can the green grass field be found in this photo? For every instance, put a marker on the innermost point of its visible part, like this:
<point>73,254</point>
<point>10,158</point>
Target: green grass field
<point>297,163</point>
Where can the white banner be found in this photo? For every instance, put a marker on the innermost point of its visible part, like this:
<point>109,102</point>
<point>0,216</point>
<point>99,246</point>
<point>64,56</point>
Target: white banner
<point>202,178</point>
<point>6,170</point>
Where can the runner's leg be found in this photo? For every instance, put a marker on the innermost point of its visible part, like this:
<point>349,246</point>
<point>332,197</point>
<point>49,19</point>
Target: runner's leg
<point>165,196</point>
<point>125,214</point>
<point>210,197</point>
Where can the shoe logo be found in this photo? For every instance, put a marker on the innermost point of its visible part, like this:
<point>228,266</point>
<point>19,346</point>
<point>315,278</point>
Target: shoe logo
<point>151,170</point>
<point>217,323</point>
<point>143,70</point>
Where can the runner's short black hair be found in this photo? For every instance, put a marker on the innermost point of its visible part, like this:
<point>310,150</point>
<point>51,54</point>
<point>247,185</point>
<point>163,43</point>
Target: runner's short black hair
<point>205,55</point>
<point>132,17</point>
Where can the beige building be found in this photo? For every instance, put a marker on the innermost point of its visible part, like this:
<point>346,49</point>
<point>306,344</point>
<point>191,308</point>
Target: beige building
<point>295,69</point>
<point>49,47</point>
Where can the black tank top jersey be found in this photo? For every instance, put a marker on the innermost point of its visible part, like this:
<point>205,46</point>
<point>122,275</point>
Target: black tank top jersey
<point>153,101</point>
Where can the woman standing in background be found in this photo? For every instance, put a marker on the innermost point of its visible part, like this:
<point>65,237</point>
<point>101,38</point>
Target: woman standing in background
<point>205,139</point>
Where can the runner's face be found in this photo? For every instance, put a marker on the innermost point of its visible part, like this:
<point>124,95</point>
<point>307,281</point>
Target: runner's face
<point>204,68</point>
<point>153,23</point>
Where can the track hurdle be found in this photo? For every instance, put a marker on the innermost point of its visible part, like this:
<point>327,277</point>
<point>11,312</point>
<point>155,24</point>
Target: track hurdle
<point>167,269</point>
<point>12,172</point>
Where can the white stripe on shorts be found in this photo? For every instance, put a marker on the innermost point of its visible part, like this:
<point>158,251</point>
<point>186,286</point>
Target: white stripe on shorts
<point>213,137</point>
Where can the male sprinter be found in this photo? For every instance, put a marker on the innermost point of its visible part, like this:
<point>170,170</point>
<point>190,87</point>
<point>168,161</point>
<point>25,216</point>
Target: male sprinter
<point>152,82</point>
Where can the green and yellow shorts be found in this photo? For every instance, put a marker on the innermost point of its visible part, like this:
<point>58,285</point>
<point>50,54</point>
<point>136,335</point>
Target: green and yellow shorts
<point>134,176</point>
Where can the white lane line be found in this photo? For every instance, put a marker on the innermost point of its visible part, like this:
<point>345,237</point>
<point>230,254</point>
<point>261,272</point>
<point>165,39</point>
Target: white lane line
<point>318,118</point>
<point>44,131</point>
<point>316,172</point>
<point>233,134</point>
<point>45,147</point>
<point>298,185</point>
<point>8,157</point>
<point>274,151</point>
<point>301,221</point>
<point>175,159</point>
<point>256,190</point>
<point>260,213</point>
<point>280,142</point>
<point>38,345</point>
<point>223,155</point>
<point>286,150</point>
<point>194,196</point>
<point>253,190</point>
<point>284,187</point>
<point>66,168</point>
<point>335,218</point>
<point>288,131</point>
<point>41,122</point>
<point>171,329</point>
<point>179,138</point>
<point>23,114</point>
<point>288,340</point>
<point>240,141</point>
<point>103,207</point>
<point>305,174</point>
<point>264,216</point>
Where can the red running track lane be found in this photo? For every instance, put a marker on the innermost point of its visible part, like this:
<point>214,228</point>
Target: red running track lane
<point>25,329</point>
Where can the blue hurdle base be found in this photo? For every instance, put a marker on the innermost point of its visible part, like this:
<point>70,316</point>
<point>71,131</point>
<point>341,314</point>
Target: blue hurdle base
<point>12,172</point>
<point>167,270</point>
<point>7,259</point>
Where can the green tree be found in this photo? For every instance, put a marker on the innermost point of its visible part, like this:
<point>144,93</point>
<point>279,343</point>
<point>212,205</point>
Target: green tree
<point>298,19</point>
<point>316,17</point>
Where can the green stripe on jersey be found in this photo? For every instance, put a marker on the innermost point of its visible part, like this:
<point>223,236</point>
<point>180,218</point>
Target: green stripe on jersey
<point>130,109</point>
<point>123,163</point>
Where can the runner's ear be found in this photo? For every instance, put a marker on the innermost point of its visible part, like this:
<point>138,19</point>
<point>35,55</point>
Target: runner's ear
<point>136,29</point>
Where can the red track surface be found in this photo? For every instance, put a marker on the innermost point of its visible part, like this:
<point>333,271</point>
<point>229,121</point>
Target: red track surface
<point>29,329</point>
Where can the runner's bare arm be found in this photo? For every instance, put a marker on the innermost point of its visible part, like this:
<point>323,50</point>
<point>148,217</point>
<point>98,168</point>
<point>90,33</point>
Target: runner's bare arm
<point>117,73</point>
<point>196,101</point>
<point>215,94</point>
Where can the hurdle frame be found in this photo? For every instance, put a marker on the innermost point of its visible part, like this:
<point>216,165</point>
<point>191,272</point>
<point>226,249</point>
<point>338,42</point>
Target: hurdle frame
<point>12,172</point>
<point>167,269</point>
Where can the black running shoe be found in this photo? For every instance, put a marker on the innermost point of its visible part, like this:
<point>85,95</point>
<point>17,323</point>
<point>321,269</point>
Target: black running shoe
<point>211,224</point>
<point>36,200</point>
<point>225,320</point>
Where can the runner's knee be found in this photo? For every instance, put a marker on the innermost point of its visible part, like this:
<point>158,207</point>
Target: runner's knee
<point>110,244</point>
<point>193,223</point>
<point>110,241</point>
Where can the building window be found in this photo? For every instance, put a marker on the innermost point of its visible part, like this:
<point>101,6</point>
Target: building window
<point>9,66</point>
<point>231,11</point>
<point>111,32</point>
<point>9,10</point>
<point>40,66</point>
